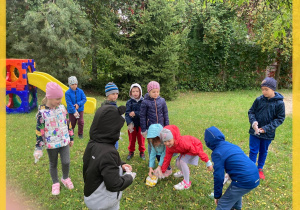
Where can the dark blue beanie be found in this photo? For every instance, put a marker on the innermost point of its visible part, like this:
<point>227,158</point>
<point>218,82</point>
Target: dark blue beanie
<point>111,88</point>
<point>269,82</point>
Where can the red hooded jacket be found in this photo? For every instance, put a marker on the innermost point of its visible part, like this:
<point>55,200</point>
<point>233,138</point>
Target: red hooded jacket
<point>185,145</point>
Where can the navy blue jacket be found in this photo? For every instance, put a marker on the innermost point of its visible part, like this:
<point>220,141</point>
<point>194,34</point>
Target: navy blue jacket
<point>133,105</point>
<point>75,97</point>
<point>231,158</point>
<point>153,111</point>
<point>269,113</point>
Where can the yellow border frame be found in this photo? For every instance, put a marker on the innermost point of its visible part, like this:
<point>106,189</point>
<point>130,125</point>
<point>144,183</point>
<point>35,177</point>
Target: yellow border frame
<point>2,104</point>
<point>296,104</point>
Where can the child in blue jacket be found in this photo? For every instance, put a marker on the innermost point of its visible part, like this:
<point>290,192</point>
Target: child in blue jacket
<point>231,159</point>
<point>75,99</point>
<point>153,109</point>
<point>265,115</point>
<point>158,151</point>
<point>132,117</point>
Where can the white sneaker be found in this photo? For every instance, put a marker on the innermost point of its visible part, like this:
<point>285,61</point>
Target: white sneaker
<point>183,185</point>
<point>178,174</point>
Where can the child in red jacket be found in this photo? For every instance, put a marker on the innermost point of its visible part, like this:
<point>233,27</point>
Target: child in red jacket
<point>190,149</point>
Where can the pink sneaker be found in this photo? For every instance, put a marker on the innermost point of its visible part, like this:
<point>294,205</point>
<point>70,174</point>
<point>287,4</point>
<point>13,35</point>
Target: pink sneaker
<point>68,183</point>
<point>183,185</point>
<point>56,189</point>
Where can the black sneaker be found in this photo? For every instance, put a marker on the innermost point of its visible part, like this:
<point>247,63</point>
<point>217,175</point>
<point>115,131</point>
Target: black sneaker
<point>130,155</point>
<point>80,136</point>
<point>142,155</point>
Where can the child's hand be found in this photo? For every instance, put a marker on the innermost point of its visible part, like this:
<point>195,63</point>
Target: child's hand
<point>128,166</point>
<point>158,173</point>
<point>261,130</point>
<point>71,143</point>
<point>76,106</point>
<point>216,201</point>
<point>132,114</point>
<point>210,168</point>
<point>255,127</point>
<point>144,134</point>
<point>150,172</point>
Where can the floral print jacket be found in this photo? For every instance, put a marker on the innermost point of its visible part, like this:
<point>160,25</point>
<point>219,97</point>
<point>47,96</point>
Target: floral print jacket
<point>53,128</point>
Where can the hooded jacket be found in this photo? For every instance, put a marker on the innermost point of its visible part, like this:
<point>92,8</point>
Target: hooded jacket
<point>75,97</point>
<point>189,145</point>
<point>102,170</point>
<point>135,106</point>
<point>231,159</point>
<point>269,113</point>
<point>153,111</point>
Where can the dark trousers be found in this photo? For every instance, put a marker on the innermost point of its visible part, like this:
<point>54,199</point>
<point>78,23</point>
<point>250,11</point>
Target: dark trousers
<point>232,198</point>
<point>80,121</point>
<point>65,162</point>
<point>258,145</point>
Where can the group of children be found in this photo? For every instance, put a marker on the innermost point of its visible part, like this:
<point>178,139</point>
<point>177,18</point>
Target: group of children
<point>106,176</point>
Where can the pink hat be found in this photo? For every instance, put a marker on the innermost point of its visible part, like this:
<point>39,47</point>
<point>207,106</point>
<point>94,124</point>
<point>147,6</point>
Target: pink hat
<point>53,90</point>
<point>152,85</point>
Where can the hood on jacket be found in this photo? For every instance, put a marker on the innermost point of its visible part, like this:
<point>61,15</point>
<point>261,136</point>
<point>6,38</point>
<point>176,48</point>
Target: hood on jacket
<point>107,124</point>
<point>277,96</point>
<point>141,92</point>
<point>175,131</point>
<point>154,130</point>
<point>212,137</point>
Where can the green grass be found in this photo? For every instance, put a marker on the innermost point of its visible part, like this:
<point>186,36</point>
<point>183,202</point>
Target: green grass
<point>192,113</point>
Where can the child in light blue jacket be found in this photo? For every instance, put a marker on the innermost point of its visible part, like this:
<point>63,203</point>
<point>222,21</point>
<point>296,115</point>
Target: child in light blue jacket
<point>158,151</point>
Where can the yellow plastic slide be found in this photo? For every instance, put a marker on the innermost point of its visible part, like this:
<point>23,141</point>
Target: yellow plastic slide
<point>40,79</point>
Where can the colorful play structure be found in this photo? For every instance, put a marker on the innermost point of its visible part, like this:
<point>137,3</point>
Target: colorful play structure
<point>22,81</point>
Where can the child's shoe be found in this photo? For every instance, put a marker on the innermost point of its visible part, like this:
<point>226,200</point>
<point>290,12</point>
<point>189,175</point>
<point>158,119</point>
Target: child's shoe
<point>68,183</point>
<point>168,173</point>
<point>130,155</point>
<point>261,174</point>
<point>142,155</point>
<point>80,136</point>
<point>56,189</point>
<point>178,174</point>
<point>183,185</point>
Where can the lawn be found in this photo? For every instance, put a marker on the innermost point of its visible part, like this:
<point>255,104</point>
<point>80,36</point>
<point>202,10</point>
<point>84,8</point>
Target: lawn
<point>192,112</point>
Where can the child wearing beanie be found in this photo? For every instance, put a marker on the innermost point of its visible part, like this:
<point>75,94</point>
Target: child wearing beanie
<point>132,117</point>
<point>190,149</point>
<point>111,93</point>
<point>54,132</point>
<point>75,99</point>
<point>265,115</point>
<point>153,109</point>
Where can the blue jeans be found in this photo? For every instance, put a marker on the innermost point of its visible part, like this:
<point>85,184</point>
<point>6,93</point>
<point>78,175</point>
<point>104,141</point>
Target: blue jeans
<point>232,198</point>
<point>258,145</point>
<point>117,145</point>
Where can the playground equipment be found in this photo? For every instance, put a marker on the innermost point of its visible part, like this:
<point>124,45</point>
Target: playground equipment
<point>17,86</point>
<point>30,80</point>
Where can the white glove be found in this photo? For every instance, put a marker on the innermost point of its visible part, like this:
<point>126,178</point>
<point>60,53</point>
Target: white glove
<point>37,155</point>
<point>133,174</point>
<point>255,127</point>
<point>226,178</point>
<point>158,173</point>
<point>144,134</point>
<point>130,127</point>
<point>76,114</point>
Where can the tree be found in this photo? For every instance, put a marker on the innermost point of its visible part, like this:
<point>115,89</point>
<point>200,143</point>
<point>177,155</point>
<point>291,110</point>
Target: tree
<point>56,35</point>
<point>144,43</point>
